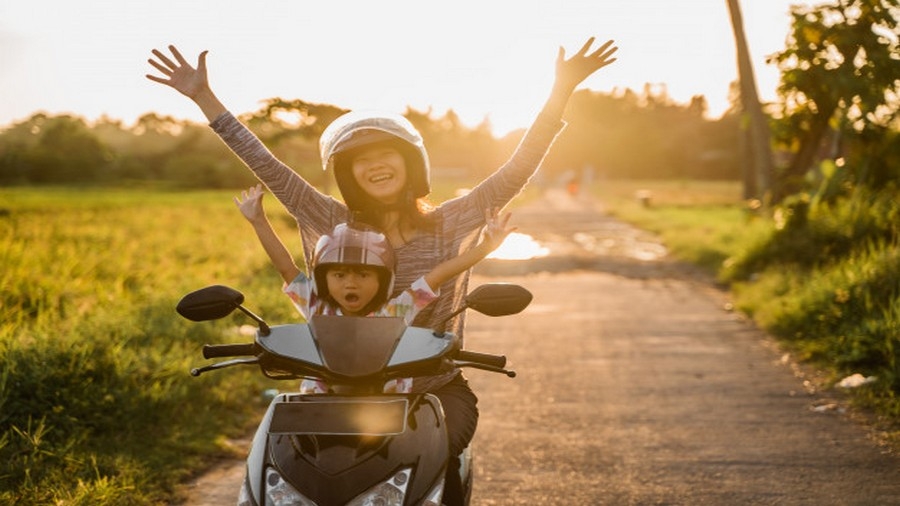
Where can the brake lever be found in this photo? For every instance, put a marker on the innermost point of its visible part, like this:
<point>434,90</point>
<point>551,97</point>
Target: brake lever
<point>197,371</point>
<point>485,367</point>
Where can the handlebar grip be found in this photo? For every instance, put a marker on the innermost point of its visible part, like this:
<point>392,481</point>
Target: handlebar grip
<point>498,361</point>
<point>229,350</point>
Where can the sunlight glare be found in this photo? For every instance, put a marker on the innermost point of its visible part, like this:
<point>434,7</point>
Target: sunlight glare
<point>519,246</point>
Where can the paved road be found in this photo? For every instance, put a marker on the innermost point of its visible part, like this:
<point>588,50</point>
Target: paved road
<point>637,387</point>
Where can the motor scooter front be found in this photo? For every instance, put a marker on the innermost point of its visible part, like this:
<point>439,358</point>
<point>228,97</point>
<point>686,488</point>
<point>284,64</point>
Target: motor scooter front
<point>355,444</point>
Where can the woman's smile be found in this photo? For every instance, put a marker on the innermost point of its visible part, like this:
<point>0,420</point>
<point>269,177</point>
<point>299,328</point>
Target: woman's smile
<point>380,172</point>
<point>377,178</point>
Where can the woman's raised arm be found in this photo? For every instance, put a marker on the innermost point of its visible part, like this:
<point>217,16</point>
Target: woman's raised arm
<point>507,181</point>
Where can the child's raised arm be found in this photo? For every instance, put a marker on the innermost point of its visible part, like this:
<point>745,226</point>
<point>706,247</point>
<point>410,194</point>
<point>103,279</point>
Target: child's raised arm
<point>495,231</point>
<point>250,205</point>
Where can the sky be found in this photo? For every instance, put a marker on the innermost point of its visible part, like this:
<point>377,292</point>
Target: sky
<point>484,59</point>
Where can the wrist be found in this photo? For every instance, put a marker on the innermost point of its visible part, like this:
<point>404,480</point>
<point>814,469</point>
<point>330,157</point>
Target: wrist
<point>558,99</point>
<point>563,87</point>
<point>258,221</point>
<point>209,103</point>
<point>486,247</point>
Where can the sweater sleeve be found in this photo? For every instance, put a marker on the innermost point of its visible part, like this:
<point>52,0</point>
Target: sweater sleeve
<point>307,205</point>
<point>301,294</point>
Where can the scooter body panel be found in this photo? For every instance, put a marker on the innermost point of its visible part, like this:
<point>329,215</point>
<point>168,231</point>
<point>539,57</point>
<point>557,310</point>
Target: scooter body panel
<point>332,469</point>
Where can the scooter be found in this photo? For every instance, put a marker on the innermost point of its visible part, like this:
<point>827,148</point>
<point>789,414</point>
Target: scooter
<point>355,444</point>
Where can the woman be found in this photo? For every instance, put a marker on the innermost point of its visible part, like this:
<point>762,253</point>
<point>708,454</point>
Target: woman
<point>382,170</point>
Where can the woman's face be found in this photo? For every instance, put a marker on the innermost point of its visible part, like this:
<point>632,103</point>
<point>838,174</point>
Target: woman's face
<point>380,171</point>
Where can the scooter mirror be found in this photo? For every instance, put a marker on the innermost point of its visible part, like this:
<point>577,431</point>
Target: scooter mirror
<point>210,303</point>
<point>498,299</point>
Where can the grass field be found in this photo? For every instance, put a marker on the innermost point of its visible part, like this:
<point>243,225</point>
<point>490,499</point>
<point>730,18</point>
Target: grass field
<point>96,403</point>
<point>702,222</point>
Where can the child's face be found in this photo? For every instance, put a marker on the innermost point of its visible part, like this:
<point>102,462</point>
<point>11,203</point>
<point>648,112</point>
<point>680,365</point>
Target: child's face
<point>352,287</point>
<point>380,171</point>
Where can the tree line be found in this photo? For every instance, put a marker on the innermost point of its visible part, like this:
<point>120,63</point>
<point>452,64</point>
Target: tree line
<point>619,135</point>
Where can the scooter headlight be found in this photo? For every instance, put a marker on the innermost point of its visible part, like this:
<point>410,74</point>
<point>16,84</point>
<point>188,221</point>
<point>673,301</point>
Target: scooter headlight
<point>281,493</point>
<point>387,493</point>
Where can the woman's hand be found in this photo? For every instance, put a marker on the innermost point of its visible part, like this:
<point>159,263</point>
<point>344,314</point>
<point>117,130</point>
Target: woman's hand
<point>571,72</point>
<point>189,81</point>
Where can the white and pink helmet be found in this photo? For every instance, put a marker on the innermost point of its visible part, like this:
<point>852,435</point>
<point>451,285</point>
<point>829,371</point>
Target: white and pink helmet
<point>352,245</point>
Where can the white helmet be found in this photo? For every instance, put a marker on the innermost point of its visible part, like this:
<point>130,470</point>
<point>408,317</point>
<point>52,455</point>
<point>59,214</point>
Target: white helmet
<point>361,128</point>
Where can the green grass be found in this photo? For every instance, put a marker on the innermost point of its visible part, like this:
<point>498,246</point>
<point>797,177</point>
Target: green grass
<point>701,222</point>
<point>96,403</point>
<point>824,279</point>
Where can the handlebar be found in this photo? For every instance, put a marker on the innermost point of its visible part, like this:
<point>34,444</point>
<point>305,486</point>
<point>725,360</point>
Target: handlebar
<point>463,358</point>
<point>229,350</point>
<point>498,361</point>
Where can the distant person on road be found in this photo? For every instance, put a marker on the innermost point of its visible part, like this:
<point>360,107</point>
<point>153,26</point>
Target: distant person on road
<point>382,170</point>
<point>573,184</point>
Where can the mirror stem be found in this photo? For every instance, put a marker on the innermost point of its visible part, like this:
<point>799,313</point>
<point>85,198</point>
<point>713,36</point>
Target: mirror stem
<point>440,324</point>
<point>264,329</point>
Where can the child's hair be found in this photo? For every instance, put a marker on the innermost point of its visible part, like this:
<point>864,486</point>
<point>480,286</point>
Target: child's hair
<point>355,245</point>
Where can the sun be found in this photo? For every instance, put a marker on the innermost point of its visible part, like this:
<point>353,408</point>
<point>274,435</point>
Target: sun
<point>519,246</point>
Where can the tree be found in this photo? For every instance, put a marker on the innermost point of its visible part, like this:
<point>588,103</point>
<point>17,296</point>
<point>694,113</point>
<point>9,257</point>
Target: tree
<point>279,118</point>
<point>67,151</point>
<point>840,77</point>
<point>757,178</point>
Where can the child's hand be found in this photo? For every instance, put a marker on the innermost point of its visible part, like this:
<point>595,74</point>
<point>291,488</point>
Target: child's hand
<point>250,203</point>
<point>496,227</point>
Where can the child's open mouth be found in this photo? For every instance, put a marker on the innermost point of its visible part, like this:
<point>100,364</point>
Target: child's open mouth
<point>351,297</point>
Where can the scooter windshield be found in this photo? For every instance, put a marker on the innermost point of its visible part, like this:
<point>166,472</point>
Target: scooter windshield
<point>356,346</point>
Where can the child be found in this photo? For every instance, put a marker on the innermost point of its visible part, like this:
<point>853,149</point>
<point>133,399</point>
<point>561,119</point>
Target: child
<point>353,268</point>
<point>353,273</point>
